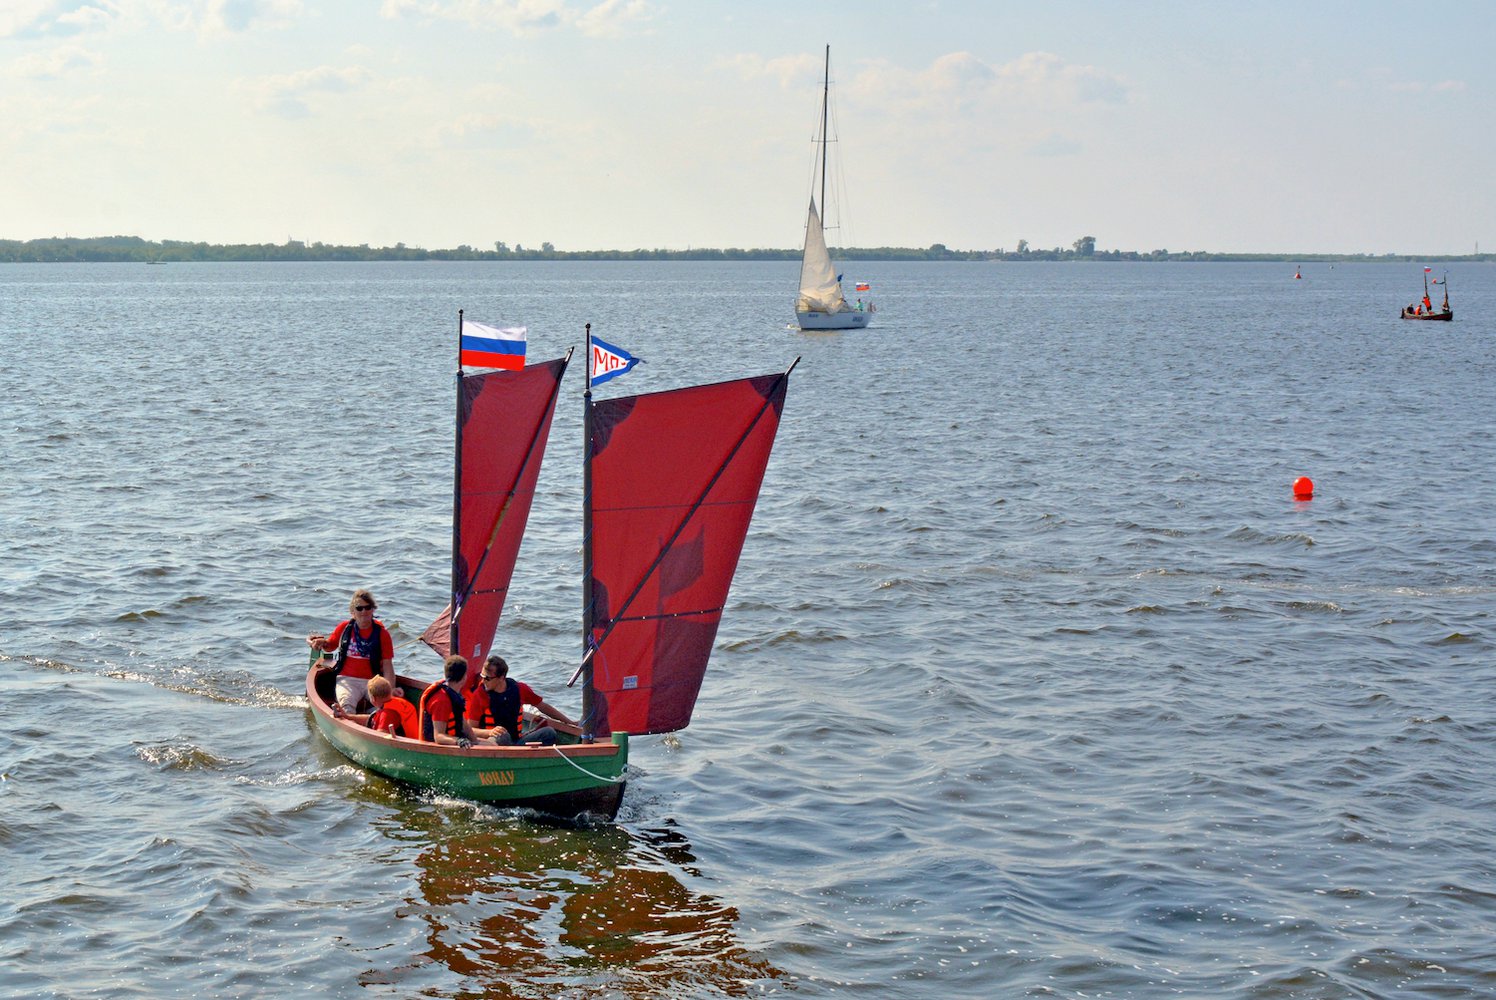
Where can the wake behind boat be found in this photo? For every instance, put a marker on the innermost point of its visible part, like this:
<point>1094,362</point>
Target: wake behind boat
<point>670,483</point>
<point>821,304</point>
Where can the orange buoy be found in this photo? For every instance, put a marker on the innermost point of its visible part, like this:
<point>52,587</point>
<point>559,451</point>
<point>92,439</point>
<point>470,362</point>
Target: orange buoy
<point>1303,488</point>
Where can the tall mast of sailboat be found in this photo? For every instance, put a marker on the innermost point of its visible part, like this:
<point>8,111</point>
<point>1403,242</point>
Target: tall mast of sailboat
<point>588,720</point>
<point>453,646</point>
<point>825,103</point>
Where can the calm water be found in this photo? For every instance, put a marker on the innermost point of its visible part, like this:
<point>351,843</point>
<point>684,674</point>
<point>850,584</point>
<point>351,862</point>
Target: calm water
<point>1035,680</point>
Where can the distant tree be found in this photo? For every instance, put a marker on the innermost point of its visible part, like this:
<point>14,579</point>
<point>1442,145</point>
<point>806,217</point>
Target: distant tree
<point>547,248</point>
<point>1085,246</point>
<point>1023,246</point>
<point>500,246</point>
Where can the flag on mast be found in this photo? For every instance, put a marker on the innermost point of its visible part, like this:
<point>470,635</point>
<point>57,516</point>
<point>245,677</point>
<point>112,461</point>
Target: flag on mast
<point>486,346</point>
<point>605,362</point>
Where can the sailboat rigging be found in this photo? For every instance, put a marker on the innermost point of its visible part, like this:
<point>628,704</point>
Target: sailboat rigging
<point>821,305</point>
<point>1425,308</point>
<point>670,483</point>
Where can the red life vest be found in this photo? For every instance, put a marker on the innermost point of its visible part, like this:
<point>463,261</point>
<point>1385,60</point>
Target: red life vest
<point>399,713</point>
<point>454,701</point>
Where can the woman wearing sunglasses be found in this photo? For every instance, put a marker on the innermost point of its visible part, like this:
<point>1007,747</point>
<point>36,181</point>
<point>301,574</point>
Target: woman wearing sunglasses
<point>360,643</point>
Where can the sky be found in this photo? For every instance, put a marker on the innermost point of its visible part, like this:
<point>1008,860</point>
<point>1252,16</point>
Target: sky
<point>1305,127</point>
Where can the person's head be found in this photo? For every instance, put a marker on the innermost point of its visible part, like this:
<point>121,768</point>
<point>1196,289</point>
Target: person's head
<point>380,691</point>
<point>362,605</point>
<point>456,669</point>
<point>495,669</point>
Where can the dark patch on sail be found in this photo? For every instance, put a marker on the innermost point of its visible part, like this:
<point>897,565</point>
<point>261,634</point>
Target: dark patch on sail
<point>606,416</point>
<point>772,389</point>
<point>677,641</point>
<point>683,564</point>
<point>472,388</point>
<point>600,612</point>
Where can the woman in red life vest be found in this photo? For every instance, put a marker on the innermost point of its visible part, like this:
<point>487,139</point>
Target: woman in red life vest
<point>442,708</point>
<point>363,648</point>
<point>494,708</point>
<point>391,714</point>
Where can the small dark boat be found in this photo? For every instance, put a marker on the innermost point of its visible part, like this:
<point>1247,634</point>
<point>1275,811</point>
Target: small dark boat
<point>1444,313</point>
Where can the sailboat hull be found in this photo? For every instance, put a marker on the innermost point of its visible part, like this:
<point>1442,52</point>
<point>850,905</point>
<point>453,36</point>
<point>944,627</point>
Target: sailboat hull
<point>570,782</point>
<point>1449,315</point>
<point>852,320</point>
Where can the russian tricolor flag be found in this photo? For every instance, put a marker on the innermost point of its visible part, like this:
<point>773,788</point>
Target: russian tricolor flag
<point>485,346</point>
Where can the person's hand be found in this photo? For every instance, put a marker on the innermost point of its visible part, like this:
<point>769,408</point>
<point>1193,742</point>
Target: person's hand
<point>337,710</point>
<point>464,743</point>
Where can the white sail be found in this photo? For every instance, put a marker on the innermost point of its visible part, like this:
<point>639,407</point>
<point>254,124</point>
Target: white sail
<point>819,289</point>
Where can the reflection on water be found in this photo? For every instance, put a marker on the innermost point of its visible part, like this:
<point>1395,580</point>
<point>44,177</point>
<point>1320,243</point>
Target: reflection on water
<point>517,909</point>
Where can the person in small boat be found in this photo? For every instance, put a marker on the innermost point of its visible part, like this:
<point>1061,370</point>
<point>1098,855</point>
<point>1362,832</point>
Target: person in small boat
<point>363,648</point>
<point>443,719</point>
<point>495,705</point>
<point>1428,306</point>
<point>391,714</point>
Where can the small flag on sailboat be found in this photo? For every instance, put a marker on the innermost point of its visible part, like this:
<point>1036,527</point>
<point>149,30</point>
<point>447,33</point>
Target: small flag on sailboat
<point>1426,270</point>
<point>863,286</point>
<point>608,361</point>
<point>485,346</point>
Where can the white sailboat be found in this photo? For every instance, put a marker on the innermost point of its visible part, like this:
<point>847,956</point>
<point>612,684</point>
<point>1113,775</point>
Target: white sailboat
<point>821,304</point>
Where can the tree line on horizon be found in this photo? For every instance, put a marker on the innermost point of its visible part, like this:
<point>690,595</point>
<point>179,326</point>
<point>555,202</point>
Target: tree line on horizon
<point>134,249</point>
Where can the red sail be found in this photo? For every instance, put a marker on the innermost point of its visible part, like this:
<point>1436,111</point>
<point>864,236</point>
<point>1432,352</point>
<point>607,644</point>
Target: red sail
<point>505,421</point>
<point>675,476</point>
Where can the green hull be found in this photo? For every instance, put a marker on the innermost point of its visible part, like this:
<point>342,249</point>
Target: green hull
<point>566,781</point>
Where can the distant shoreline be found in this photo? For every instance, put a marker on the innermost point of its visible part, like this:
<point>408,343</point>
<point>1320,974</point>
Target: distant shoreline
<point>133,249</point>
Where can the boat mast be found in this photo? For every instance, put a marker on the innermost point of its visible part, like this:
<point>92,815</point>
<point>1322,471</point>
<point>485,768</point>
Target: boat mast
<point>588,708</point>
<point>453,645</point>
<point>825,102</point>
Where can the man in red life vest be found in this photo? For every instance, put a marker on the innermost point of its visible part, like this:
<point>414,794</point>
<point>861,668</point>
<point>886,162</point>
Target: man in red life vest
<point>363,648</point>
<point>442,708</point>
<point>494,708</point>
<point>391,715</point>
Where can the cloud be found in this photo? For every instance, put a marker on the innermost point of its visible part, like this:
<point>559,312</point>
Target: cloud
<point>54,65</point>
<point>611,18</point>
<point>962,81</point>
<point>528,17</point>
<point>55,18</point>
<point>521,17</point>
<point>487,132</point>
<point>237,16</point>
<point>787,71</point>
<point>1055,144</point>
<point>288,96</point>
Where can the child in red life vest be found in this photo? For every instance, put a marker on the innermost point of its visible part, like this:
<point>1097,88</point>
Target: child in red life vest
<point>393,715</point>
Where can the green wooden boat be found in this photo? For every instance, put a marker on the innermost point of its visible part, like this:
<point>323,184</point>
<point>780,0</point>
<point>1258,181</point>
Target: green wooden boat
<point>567,780</point>
<point>670,481</point>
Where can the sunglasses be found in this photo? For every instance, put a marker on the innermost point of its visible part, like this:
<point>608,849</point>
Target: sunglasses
<point>365,607</point>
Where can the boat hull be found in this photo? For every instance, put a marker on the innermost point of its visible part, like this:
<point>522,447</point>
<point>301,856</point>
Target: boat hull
<point>851,320</point>
<point>572,781</point>
<point>1438,315</point>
